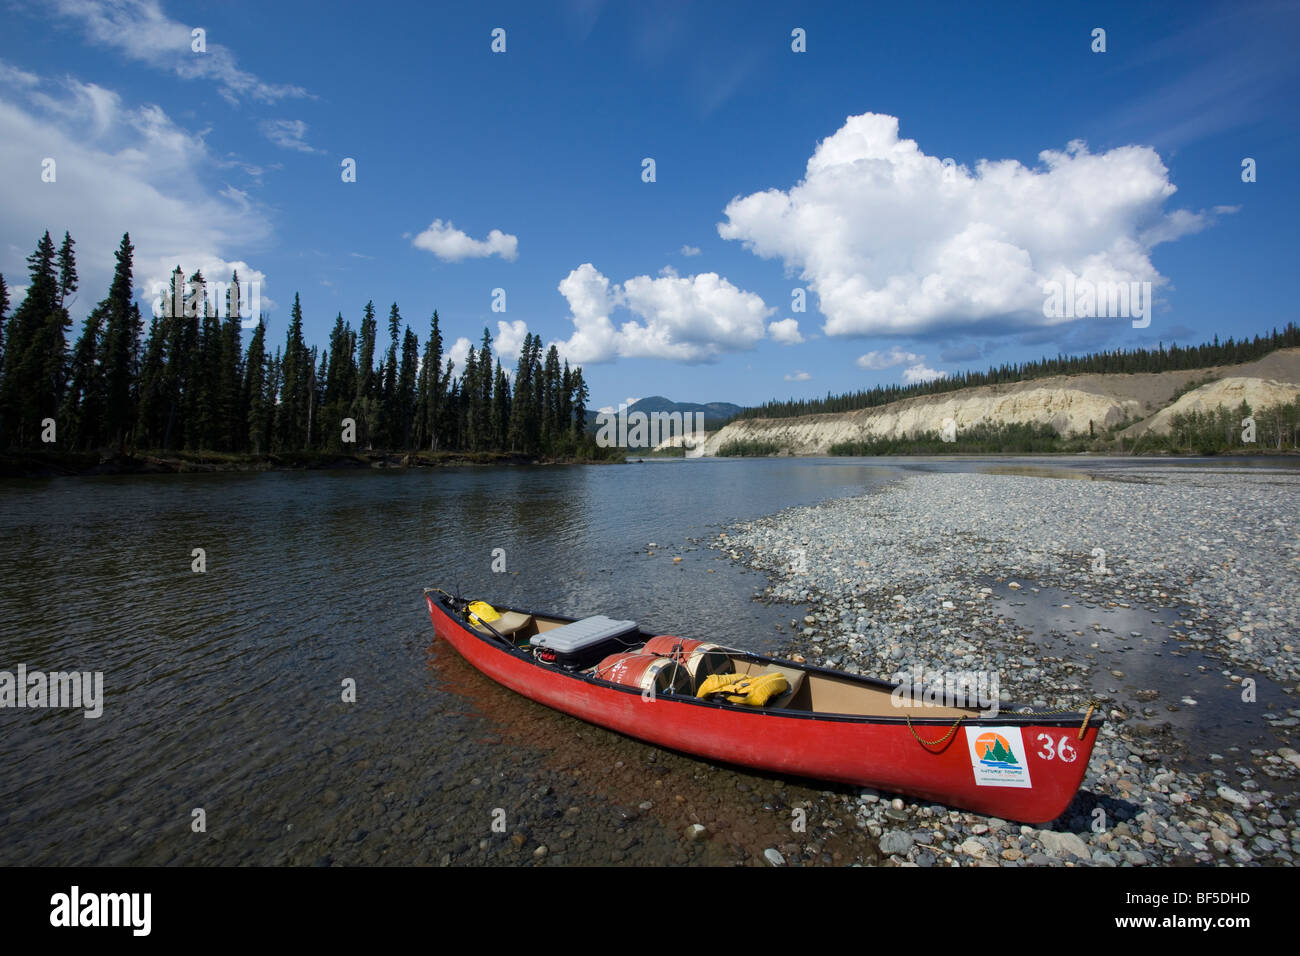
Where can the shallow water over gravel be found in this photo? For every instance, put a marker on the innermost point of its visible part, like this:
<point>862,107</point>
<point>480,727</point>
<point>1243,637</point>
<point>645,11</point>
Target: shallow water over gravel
<point>1142,655</point>
<point>223,689</point>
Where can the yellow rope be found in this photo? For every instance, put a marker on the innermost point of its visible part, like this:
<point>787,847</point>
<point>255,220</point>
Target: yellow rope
<point>933,743</point>
<point>1093,704</point>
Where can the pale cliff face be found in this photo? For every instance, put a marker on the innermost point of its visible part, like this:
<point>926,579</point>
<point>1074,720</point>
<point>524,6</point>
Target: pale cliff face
<point>1228,392</point>
<point>1067,403</point>
<point>1068,410</point>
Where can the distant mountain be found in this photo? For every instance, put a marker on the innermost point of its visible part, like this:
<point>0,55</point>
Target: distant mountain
<point>715,413</point>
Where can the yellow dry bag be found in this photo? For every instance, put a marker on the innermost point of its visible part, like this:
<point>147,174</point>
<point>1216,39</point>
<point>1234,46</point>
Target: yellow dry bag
<point>480,612</point>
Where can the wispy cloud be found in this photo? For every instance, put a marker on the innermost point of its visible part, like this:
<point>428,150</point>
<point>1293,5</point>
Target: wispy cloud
<point>287,134</point>
<point>141,31</point>
<point>1226,70</point>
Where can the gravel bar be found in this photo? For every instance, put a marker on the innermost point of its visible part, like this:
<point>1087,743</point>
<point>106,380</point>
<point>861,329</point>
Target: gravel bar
<point>927,571</point>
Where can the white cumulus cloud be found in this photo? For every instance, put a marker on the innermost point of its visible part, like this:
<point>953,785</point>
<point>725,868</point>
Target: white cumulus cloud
<point>888,359</point>
<point>451,245</point>
<point>459,352</point>
<point>919,373</point>
<point>690,250</point>
<point>509,340</point>
<point>686,318</point>
<point>799,375</point>
<point>786,331</point>
<point>894,242</point>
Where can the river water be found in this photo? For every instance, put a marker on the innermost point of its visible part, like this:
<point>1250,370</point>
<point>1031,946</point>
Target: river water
<point>225,736</point>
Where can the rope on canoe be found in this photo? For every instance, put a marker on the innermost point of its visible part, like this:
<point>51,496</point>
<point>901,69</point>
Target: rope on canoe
<point>933,743</point>
<point>1093,704</point>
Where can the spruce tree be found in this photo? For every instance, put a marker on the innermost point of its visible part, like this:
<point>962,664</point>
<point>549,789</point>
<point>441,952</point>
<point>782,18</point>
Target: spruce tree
<point>185,355</point>
<point>483,395</point>
<point>207,407</point>
<point>537,409</point>
<point>455,427</point>
<point>67,269</point>
<point>120,354</point>
<point>566,403</point>
<point>501,407</point>
<point>152,401</point>
<point>173,329</point>
<point>29,391</point>
<point>274,395</point>
<point>469,391</point>
<point>520,409</point>
<point>551,401</point>
<point>82,417</point>
<point>362,403</point>
<point>313,398</point>
<point>389,401</point>
<point>339,384</point>
<point>322,376</point>
<point>255,393</point>
<point>231,418</point>
<point>430,391</point>
<point>4,311</point>
<point>296,373</point>
<point>406,388</point>
<point>580,396</point>
<point>444,427</point>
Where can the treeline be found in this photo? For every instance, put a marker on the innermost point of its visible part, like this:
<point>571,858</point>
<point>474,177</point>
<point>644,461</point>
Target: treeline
<point>1223,429</point>
<point>188,384</point>
<point>1174,358</point>
<point>749,448</point>
<point>985,438</point>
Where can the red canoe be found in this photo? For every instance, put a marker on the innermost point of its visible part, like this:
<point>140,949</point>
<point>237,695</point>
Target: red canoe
<point>827,725</point>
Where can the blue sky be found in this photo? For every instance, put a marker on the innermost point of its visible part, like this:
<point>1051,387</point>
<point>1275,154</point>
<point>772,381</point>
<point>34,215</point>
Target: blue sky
<point>523,171</point>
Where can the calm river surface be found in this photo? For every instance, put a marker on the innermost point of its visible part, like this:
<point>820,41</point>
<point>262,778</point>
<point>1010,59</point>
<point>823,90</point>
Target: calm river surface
<point>222,689</point>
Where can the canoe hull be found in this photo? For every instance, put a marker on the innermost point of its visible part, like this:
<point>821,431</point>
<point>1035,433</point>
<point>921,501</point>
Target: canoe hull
<point>866,751</point>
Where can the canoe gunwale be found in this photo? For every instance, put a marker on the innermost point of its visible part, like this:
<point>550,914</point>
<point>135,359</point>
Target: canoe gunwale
<point>1006,715</point>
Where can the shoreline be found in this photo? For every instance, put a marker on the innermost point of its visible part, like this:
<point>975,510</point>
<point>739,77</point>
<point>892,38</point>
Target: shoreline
<point>39,464</point>
<point>932,570</point>
<point>1162,455</point>
<point>96,464</point>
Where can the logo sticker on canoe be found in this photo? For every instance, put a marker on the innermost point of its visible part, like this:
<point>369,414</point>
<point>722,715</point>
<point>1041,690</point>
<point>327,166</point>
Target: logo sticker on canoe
<point>997,756</point>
